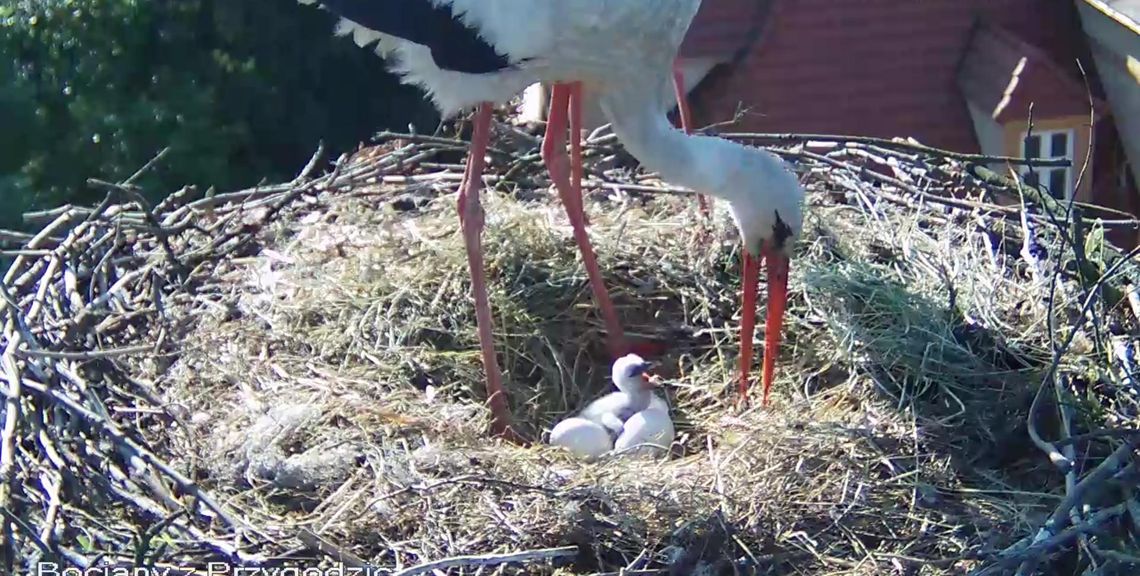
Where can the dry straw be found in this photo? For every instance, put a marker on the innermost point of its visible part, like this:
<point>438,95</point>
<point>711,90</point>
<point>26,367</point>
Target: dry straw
<point>289,375</point>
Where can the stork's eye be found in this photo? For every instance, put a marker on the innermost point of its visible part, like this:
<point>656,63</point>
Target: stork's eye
<point>637,370</point>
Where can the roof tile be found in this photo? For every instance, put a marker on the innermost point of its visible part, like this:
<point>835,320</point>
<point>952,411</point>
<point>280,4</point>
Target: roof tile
<point>871,67</point>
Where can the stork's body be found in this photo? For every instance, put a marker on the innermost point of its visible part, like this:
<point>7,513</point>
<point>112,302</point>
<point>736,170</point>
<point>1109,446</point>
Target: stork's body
<point>473,53</point>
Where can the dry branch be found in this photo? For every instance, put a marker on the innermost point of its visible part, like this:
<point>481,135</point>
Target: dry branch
<point>484,560</point>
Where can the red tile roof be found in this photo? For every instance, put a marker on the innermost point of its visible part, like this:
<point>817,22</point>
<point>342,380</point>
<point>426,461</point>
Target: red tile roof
<point>1003,74</point>
<point>872,67</point>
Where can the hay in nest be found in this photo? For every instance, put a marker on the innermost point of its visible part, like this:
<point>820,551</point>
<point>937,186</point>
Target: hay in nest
<point>290,376</point>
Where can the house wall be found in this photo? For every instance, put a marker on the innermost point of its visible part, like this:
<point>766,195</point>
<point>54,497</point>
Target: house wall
<point>875,67</point>
<point>1116,51</point>
<point>1079,125</point>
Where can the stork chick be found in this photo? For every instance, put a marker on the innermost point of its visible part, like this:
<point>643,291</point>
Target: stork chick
<point>634,394</point>
<point>633,415</point>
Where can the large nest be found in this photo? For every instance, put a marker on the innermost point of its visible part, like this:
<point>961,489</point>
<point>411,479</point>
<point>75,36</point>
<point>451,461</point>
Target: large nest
<point>290,376</point>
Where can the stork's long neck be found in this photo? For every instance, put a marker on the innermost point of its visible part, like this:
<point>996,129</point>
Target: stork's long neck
<point>639,399</point>
<point>646,132</point>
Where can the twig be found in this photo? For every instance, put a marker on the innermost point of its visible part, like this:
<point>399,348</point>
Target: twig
<point>52,484</point>
<point>1094,479</point>
<point>25,528</point>
<point>1058,354</point>
<point>385,135</point>
<point>490,560</point>
<point>910,189</point>
<point>1053,534</point>
<point>1043,546</point>
<point>42,216</point>
<point>160,233</point>
<point>14,237</point>
<point>89,354</point>
<point>1051,206</point>
<point>311,165</point>
<point>12,416</point>
<point>337,553</point>
<point>889,143</point>
<point>146,167</point>
<point>1108,433</point>
<point>129,446</point>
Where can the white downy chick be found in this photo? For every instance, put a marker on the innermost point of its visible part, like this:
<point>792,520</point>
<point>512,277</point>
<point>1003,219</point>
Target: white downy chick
<point>649,432</point>
<point>635,393</point>
<point>584,438</point>
<point>591,432</point>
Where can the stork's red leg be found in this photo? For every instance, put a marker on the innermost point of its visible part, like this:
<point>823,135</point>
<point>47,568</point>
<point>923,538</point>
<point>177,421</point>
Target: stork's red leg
<point>471,219</point>
<point>577,170</point>
<point>565,105</point>
<point>749,282</point>
<point>683,110</point>
<point>686,120</point>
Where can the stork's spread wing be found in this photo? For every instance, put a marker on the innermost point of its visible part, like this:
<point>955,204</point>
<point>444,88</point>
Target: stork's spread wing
<point>454,45</point>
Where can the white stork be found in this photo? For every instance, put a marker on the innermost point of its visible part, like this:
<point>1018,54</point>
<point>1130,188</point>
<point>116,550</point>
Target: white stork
<point>475,53</point>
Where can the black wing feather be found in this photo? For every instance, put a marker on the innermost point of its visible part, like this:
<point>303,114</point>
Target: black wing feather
<point>454,45</point>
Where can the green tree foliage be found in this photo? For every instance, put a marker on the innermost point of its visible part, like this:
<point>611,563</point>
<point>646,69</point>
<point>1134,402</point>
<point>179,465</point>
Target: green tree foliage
<point>241,90</point>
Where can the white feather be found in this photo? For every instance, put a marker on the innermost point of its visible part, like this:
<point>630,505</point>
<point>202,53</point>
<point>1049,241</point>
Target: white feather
<point>597,42</point>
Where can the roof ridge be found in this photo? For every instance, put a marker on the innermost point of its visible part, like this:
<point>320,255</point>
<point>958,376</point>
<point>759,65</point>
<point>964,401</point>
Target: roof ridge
<point>1037,55</point>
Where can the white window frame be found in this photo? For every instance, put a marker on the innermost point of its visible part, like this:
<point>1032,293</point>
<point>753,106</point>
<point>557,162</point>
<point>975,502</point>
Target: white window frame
<point>1044,172</point>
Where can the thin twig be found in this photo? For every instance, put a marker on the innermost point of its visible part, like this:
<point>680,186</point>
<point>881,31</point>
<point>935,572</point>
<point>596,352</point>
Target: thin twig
<point>890,143</point>
<point>1043,546</point>
<point>12,417</point>
<point>334,552</point>
<point>311,165</point>
<point>90,354</point>
<point>529,557</point>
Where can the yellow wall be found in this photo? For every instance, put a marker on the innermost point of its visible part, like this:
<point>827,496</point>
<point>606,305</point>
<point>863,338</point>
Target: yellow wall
<point>1080,127</point>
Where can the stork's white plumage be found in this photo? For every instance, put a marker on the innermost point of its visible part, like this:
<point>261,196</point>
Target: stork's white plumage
<point>472,53</point>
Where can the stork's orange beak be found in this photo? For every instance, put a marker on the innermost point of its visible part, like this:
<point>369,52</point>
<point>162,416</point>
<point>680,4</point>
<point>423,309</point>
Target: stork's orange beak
<point>648,381</point>
<point>777,302</point>
<point>778,265</point>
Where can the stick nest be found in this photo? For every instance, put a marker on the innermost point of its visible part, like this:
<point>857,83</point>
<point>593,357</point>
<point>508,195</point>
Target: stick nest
<point>289,375</point>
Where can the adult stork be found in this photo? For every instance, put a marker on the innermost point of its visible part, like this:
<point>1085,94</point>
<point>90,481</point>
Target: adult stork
<point>476,53</point>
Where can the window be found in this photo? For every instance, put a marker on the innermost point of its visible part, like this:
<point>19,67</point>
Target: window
<point>1049,144</point>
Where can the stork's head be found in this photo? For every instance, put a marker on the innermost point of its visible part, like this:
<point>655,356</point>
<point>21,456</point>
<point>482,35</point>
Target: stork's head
<point>631,374</point>
<point>763,193</point>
